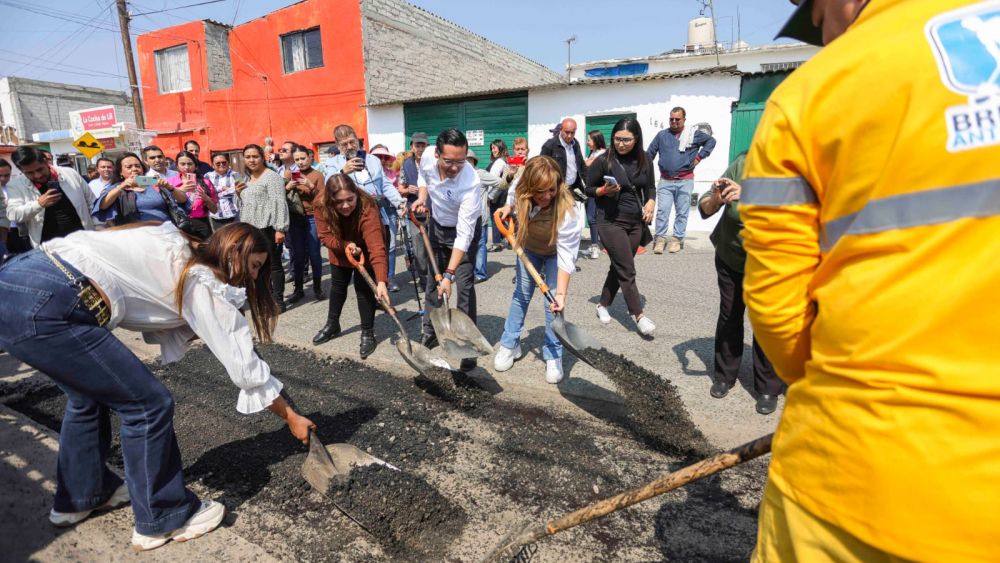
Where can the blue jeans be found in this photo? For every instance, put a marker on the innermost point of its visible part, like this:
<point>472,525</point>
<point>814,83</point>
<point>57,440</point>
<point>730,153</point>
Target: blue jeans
<point>595,238</point>
<point>524,290</point>
<point>673,193</point>
<point>43,324</point>
<point>391,246</point>
<point>305,245</point>
<point>480,271</point>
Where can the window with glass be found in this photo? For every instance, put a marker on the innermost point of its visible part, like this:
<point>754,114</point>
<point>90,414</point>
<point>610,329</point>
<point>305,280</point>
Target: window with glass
<point>301,50</point>
<point>173,72</point>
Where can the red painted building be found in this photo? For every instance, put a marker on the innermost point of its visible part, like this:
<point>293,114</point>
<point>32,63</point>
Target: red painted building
<point>298,72</point>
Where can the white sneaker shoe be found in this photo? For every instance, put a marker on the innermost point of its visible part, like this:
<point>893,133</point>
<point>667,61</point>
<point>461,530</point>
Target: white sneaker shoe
<point>595,252</point>
<point>504,358</point>
<point>208,518</point>
<point>553,371</point>
<point>62,519</point>
<point>603,315</point>
<point>645,325</point>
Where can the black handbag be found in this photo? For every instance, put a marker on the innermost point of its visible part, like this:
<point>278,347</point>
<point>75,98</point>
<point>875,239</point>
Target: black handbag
<point>178,216</point>
<point>126,210</point>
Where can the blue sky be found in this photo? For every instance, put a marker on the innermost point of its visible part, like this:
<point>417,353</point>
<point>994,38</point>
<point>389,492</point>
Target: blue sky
<point>83,45</point>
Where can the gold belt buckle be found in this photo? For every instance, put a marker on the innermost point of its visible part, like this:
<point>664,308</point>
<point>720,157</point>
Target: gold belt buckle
<point>95,304</point>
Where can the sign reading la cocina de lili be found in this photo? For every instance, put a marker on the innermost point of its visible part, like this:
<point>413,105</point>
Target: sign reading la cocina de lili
<point>100,121</point>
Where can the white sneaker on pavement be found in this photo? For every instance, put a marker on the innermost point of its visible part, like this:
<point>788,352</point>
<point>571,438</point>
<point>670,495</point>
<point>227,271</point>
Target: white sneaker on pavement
<point>645,325</point>
<point>553,371</point>
<point>208,518</point>
<point>62,519</point>
<point>595,252</point>
<point>504,358</point>
<point>603,315</point>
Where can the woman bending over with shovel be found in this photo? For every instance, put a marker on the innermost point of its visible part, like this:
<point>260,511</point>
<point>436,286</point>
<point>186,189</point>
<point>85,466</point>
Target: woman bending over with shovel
<point>549,231</point>
<point>61,303</point>
<point>348,220</point>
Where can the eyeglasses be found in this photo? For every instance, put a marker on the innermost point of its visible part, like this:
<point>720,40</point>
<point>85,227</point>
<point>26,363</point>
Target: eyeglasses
<point>453,163</point>
<point>676,119</point>
<point>624,140</point>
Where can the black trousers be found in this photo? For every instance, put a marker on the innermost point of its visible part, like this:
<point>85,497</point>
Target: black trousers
<point>463,292</point>
<point>621,239</point>
<point>339,281</point>
<point>729,336</point>
<point>277,270</point>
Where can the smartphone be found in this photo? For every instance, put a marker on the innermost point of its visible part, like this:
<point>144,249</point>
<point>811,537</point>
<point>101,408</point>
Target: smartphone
<point>237,178</point>
<point>145,180</point>
<point>296,175</point>
<point>611,180</point>
<point>53,185</point>
<point>515,160</point>
<point>191,177</point>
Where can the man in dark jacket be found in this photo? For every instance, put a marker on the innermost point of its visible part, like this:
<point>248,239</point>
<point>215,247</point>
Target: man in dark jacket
<point>565,149</point>
<point>680,151</point>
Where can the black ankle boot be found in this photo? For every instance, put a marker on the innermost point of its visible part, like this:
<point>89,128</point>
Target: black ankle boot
<point>367,343</point>
<point>296,295</point>
<point>318,290</point>
<point>330,331</point>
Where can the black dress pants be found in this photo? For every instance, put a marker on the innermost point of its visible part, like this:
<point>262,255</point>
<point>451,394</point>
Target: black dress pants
<point>463,290</point>
<point>620,238</point>
<point>729,336</point>
<point>340,279</point>
<point>277,270</point>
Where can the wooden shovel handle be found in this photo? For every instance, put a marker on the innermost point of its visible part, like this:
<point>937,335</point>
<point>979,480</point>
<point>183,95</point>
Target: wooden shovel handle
<point>507,230</point>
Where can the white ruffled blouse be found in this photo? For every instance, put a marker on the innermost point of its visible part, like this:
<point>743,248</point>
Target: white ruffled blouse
<point>138,270</point>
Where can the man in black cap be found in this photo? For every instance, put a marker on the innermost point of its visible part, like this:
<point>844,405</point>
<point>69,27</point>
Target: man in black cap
<point>409,172</point>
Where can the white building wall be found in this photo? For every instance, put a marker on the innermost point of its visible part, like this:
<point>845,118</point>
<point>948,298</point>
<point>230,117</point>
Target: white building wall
<point>386,126</point>
<point>705,98</point>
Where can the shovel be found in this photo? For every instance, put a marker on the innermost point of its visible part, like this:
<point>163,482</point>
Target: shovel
<point>325,465</point>
<point>416,355</point>
<point>573,338</point>
<point>519,546</point>
<point>456,332</point>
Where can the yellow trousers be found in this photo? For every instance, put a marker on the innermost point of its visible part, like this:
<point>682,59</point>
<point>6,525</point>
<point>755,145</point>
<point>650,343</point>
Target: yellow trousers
<point>786,532</point>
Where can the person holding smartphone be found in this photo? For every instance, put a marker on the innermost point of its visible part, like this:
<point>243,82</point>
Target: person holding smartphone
<point>225,180</point>
<point>135,196</point>
<point>623,183</point>
<point>47,201</point>
<point>305,183</point>
<point>200,191</point>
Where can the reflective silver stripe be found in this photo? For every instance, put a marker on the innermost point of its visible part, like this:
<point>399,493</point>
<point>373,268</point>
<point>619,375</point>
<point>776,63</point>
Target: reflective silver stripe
<point>917,209</point>
<point>777,191</point>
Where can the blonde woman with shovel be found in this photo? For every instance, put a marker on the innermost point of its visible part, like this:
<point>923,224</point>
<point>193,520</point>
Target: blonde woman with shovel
<point>549,229</point>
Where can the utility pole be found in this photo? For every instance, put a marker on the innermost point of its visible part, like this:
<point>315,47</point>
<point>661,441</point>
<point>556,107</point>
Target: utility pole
<point>715,35</point>
<point>133,80</point>
<point>569,58</point>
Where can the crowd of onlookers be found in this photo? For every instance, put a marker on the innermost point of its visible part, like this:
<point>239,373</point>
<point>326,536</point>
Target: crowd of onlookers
<point>622,200</point>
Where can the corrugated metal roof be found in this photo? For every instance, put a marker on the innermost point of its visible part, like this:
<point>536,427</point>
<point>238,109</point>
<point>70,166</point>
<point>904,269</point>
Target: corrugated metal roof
<point>727,70</point>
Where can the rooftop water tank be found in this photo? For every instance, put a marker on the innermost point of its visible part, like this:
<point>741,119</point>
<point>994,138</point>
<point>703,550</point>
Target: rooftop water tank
<point>701,34</point>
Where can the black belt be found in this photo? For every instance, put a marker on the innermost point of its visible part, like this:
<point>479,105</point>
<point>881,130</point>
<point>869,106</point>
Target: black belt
<point>90,298</point>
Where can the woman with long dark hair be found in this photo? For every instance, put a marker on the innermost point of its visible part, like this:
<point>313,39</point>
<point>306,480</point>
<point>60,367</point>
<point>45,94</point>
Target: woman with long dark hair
<point>60,307</point>
<point>549,228</point>
<point>597,147</point>
<point>623,183</point>
<point>348,221</point>
<point>262,204</point>
<point>498,167</point>
<point>305,182</point>
<point>126,201</point>
<point>199,190</point>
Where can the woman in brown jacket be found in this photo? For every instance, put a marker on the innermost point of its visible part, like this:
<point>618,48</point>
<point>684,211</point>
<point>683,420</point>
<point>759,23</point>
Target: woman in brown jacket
<point>348,220</point>
<point>302,187</point>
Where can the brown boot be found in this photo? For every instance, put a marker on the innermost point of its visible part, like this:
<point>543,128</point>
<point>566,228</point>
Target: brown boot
<point>676,245</point>
<point>659,244</point>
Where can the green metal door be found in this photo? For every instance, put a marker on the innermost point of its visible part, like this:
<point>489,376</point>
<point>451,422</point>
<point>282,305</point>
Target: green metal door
<point>604,124</point>
<point>499,117</point>
<point>745,118</point>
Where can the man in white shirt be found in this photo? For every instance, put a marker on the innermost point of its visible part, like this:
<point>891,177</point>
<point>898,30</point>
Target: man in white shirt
<point>105,172</point>
<point>47,201</point>
<point>449,188</point>
<point>157,163</point>
<point>566,151</point>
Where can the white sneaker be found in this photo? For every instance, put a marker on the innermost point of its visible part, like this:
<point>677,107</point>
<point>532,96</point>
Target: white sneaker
<point>603,315</point>
<point>645,325</point>
<point>553,371</point>
<point>208,518</point>
<point>62,519</point>
<point>504,358</point>
<point>595,252</point>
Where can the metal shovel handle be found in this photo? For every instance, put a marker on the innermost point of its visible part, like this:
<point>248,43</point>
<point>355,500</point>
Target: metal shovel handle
<point>359,265</point>
<point>507,230</point>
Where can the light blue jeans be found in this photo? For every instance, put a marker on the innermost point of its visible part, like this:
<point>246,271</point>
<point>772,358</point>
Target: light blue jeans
<point>673,193</point>
<point>481,272</point>
<point>524,290</point>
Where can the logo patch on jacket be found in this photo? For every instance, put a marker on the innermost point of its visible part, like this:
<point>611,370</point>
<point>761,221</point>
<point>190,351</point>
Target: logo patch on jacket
<point>966,44</point>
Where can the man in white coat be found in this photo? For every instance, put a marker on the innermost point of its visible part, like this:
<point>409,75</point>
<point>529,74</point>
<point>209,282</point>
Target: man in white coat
<point>47,201</point>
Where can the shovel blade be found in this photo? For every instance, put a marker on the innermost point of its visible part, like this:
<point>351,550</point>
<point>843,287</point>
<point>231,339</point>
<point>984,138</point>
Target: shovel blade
<point>318,468</point>
<point>427,363</point>
<point>574,338</point>
<point>462,339</point>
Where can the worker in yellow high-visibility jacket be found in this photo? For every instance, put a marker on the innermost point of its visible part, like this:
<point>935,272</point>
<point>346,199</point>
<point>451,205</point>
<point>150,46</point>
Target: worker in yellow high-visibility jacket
<point>872,230</point>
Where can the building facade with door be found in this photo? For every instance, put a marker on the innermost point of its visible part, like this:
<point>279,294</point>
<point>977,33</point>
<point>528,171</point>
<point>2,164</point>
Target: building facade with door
<point>296,73</point>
